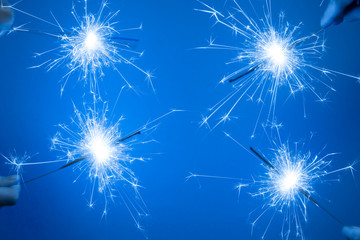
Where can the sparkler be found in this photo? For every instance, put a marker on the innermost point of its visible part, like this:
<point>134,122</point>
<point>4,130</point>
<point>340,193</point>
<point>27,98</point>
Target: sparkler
<point>287,186</point>
<point>293,178</point>
<point>275,56</point>
<point>97,149</point>
<point>90,47</point>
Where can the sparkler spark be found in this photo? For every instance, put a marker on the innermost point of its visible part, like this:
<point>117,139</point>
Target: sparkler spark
<point>90,47</point>
<point>98,149</point>
<point>275,56</point>
<point>104,157</point>
<point>17,162</point>
<point>287,186</point>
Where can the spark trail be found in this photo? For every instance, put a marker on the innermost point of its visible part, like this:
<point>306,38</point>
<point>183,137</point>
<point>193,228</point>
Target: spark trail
<point>273,56</point>
<point>90,47</point>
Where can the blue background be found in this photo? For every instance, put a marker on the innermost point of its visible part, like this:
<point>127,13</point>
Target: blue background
<point>55,208</point>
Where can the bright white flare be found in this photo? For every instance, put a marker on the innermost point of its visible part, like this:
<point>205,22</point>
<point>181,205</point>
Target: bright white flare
<point>276,56</point>
<point>289,181</point>
<point>98,144</point>
<point>92,41</point>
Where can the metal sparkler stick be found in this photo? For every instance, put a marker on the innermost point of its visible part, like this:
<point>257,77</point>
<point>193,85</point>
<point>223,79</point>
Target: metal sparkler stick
<point>299,189</point>
<point>76,160</point>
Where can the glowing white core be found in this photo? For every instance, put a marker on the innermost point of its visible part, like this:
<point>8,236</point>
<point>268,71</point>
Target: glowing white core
<point>289,181</point>
<point>276,54</point>
<point>100,149</point>
<point>92,41</point>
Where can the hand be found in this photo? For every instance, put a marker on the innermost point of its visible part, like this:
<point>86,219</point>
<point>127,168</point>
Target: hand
<point>339,10</point>
<point>6,17</point>
<point>351,233</point>
<point>9,190</point>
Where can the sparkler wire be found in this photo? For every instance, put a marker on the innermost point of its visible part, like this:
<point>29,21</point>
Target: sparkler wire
<point>300,189</point>
<point>77,160</point>
<point>295,44</point>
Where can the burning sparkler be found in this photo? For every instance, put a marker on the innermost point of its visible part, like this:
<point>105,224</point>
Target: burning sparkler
<point>90,47</point>
<point>288,185</point>
<point>97,148</point>
<point>275,56</point>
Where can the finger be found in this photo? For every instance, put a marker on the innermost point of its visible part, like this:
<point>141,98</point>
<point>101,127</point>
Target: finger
<point>9,196</point>
<point>353,15</point>
<point>9,181</point>
<point>6,14</point>
<point>351,232</point>
<point>6,18</point>
<point>334,12</point>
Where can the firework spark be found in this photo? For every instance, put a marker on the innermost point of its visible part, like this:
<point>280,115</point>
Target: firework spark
<point>287,186</point>
<point>275,56</point>
<point>95,44</point>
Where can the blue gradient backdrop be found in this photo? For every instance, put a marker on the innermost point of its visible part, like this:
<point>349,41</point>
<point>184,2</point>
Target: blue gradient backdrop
<point>55,208</point>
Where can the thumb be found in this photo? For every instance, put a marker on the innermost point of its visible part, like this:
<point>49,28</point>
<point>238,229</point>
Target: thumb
<point>9,195</point>
<point>334,12</point>
<point>351,232</point>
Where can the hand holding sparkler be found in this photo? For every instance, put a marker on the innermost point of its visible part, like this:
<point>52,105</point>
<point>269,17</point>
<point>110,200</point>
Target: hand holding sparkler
<point>9,190</point>
<point>339,10</point>
<point>6,17</point>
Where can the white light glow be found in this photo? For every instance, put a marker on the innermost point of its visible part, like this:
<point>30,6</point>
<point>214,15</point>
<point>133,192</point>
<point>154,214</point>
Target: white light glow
<point>92,41</point>
<point>289,181</point>
<point>100,149</point>
<point>276,54</point>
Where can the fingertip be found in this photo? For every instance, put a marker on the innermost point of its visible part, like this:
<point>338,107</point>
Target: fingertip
<point>9,196</point>
<point>333,14</point>
<point>351,232</point>
<point>9,181</point>
<point>325,23</point>
<point>13,179</point>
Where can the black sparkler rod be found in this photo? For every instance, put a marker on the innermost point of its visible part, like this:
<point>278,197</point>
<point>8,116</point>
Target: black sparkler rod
<point>76,160</point>
<point>253,68</point>
<point>302,191</point>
